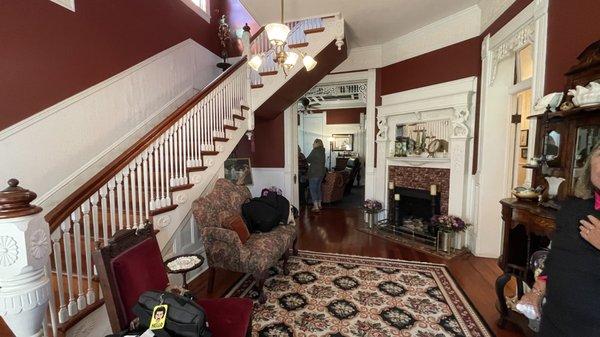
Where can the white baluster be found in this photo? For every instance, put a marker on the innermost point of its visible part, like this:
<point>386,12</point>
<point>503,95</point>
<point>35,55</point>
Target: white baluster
<point>132,201</point>
<point>90,295</point>
<point>176,152</point>
<point>126,198</point>
<point>171,158</point>
<point>51,302</point>
<point>63,314</point>
<point>105,210</point>
<point>151,205</point>
<point>76,218</point>
<point>180,156</point>
<point>156,186</point>
<point>72,306</point>
<point>165,200</point>
<point>146,183</point>
<point>140,186</point>
<point>95,218</point>
<point>112,205</point>
<point>119,180</point>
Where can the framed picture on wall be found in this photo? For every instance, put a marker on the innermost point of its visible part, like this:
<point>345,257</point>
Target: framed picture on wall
<point>238,169</point>
<point>524,138</point>
<point>342,142</point>
<point>524,153</point>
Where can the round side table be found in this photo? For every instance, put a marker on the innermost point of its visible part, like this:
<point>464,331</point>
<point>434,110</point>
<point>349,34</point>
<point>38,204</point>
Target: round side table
<point>182,264</point>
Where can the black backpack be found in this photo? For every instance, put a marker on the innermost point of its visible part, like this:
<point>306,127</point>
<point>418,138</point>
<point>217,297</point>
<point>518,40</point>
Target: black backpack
<point>185,318</point>
<point>264,213</point>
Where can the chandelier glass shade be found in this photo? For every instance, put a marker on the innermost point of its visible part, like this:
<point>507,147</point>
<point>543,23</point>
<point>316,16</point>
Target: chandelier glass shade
<point>290,60</point>
<point>277,33</point>
<point>309,62</point>
<point>255,62</point>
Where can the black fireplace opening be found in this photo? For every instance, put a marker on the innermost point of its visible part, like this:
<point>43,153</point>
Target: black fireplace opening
<point>418,204</point>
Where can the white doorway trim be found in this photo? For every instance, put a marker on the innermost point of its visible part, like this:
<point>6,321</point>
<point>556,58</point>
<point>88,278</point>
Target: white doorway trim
<point>530,26</point>
<point>291,134</point>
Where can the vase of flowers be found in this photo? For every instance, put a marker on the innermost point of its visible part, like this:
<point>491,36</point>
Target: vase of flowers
<point>372,207</point>
<point>450,227</point>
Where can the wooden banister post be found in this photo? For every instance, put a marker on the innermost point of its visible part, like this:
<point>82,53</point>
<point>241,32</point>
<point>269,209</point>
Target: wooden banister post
<point>246,41</point>
<point>24,252</point>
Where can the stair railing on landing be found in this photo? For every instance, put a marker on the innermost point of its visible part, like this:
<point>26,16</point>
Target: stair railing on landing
<point>136,186</point>
<point>259,44</point>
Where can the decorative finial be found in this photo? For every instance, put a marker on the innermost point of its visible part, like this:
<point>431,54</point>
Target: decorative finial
<point>16,201</point>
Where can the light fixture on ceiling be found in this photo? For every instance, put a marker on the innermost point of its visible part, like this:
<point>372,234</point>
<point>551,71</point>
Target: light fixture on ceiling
<point>278,33</point>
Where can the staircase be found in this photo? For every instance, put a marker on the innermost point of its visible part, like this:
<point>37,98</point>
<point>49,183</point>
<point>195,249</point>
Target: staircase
<point>158,177</point>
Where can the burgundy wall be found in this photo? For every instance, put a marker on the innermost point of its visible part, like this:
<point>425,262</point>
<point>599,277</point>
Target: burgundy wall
<point>573,26</point>
<point>50,53</point>
<point>344,116</point>
<point>268,144</point>
<point>450,63</point>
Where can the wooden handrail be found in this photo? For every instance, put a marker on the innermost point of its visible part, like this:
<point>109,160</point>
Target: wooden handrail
<point>258,32</point>
<point>77,198</point>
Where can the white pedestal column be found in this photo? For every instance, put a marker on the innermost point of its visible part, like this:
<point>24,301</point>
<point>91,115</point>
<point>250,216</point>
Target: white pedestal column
<point>24,252</point>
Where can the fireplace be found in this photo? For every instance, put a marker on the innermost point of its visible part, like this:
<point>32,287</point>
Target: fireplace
<point>417,203</point>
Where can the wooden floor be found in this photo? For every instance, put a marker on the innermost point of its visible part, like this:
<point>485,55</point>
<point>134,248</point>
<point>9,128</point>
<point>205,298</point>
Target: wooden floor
<point>333,231</point>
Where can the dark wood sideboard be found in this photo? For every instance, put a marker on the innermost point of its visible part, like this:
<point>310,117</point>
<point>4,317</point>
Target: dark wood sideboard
<point>528,226</point>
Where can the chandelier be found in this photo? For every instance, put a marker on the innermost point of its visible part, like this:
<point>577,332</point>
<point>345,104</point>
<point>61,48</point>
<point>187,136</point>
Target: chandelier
<point>286,59</point>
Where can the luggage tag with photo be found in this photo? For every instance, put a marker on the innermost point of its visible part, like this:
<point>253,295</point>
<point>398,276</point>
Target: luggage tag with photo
<point>159,316</point>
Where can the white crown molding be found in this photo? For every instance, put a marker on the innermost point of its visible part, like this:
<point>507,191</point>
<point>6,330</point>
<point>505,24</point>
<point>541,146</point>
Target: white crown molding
<point>68,4</point>
<point>491,10</point>
<point>361,58</point>
<point>90,91</point>
<point>450,30</point>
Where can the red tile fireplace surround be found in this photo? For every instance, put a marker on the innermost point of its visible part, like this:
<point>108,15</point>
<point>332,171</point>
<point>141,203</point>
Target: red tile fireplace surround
<point>422,178</point>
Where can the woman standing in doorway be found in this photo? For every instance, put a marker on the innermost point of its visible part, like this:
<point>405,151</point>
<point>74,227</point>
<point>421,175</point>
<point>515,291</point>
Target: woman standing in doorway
<point>316,173</point>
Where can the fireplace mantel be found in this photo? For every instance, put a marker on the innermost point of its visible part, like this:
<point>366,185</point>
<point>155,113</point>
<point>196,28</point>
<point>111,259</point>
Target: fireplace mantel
<point>452,101</point>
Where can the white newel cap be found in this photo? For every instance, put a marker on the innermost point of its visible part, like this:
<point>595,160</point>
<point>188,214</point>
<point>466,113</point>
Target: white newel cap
<point>24,253</point>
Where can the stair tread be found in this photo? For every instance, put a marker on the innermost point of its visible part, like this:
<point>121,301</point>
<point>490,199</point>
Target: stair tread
<point>299,45</point>
<point>269,73</point>
<point>230,127</point>
<point>209,153</point>
<point>239,117</point>
<point>314,30</point>
<point>257,86</point>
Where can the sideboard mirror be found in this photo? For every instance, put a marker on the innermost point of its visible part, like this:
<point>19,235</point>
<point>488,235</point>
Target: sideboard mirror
<point>586,138</point>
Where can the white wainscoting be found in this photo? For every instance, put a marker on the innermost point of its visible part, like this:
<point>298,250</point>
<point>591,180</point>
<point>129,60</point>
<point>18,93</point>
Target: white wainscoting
<point>64,145</point>
<point>264,177</point>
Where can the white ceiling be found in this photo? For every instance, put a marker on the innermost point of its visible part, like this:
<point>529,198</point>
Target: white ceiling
<point>368,22</point>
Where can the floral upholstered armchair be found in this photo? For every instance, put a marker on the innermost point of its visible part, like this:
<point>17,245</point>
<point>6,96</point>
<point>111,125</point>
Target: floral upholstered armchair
<point>224,248</point>
<point>333,187</point>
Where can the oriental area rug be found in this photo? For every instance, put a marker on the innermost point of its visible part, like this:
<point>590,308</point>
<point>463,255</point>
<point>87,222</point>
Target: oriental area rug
<point>345,295</point>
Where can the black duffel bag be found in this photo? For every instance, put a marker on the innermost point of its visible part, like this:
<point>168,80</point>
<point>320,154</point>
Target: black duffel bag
<point>185,318</point>
<point>264,213</point>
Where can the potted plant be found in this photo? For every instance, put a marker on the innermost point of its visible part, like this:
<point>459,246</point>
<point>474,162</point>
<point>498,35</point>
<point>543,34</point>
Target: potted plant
<point>448,225</point>
<point>372,207</point>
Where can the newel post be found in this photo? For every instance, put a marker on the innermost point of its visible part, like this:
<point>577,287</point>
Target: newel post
<point>246,41</point>
<point>24,252</point>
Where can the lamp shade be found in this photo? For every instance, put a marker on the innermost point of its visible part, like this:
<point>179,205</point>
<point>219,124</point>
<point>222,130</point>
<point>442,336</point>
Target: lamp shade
<point>277,33</point>
<point>255,62</point>
<point>291,59</point>
<point>309,62</point>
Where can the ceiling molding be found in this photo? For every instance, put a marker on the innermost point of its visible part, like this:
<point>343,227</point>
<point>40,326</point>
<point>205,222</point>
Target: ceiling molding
<point>68,4</point>
<point>491,10</point>
<point>450,30</point>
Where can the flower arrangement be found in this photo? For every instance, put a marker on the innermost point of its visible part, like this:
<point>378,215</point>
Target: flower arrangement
<point>372,206</point>
<point>449,223</point>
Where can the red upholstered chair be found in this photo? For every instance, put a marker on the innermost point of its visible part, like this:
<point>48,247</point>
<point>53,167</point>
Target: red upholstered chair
<point>132,263</point>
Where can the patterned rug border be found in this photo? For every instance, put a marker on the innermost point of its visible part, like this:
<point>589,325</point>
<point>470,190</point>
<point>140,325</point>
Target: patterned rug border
<point>244,285</point>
